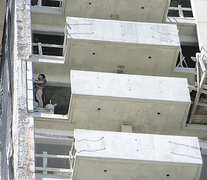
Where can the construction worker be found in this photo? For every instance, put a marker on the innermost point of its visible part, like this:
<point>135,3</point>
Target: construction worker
<point>39,85</point>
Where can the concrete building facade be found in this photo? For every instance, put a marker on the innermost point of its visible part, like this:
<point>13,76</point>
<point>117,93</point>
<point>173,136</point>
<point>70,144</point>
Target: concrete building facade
<point>126,93</point>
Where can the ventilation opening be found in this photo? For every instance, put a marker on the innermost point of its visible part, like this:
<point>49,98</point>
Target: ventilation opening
<point>51,45</point>
<point>184,58</point>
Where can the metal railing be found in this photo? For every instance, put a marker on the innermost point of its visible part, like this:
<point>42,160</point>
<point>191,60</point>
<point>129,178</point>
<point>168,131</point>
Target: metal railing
<point>40,47</point>
<point>45,169</point>
<point>200,82</point>
<point>182,62</point>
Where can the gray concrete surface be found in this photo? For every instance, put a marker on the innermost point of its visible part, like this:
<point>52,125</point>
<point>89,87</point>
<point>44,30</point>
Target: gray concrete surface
<point>105,101</point>
<point>107,155</point>
<point>131,10</point>
<point>200,14</point>
<point>134,47</point>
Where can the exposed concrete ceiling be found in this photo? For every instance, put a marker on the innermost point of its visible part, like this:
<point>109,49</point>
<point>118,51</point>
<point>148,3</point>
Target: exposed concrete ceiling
<point>140,11</point>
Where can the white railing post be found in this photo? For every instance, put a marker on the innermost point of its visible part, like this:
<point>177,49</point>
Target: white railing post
<point>44,161</point>
<point>61,4</point>
<point>39,44</point>
<point>39,3</point>
<point>180,11</point>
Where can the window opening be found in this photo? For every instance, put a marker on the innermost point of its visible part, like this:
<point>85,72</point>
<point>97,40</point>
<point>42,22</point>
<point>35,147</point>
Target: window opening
<point>52,159</point>
<point>55,100</point>
<point>51,45</point>
<point>60,96</point>
<point>50,3</point>
<point>180,8</point>
<point>185,54</point>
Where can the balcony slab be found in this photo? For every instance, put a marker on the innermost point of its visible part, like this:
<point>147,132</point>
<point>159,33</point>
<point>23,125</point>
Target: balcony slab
<point>129,47</point>
<point>105,101</point>
<point>104,155</point>
<point>140,11</point>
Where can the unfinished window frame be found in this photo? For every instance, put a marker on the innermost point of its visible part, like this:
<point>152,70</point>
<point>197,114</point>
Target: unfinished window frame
<point>40,57</point>
<point>39,8</point>
<point>181,18</point>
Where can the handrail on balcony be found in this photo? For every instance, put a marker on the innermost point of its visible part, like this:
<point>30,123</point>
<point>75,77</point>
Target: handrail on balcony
<point>41,45</point>
<point>201,78</point>
<point>45,167</point>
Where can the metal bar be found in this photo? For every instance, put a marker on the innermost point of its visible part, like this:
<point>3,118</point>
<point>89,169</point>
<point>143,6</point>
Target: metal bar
<point>69,171</point>
<point>198,74</point>
<point>202,104</point>
<point>205,86</point>
<point>180,11</point>
<point>195,89</point>
<point>201,64</point>
<point>52,156</point>
<point>176,9</point>
<point>39,48</point>
<point>44,161</point>
<point>201,117</point>
<point>203,78</point>
<point>48,45</point>
<point>197,94</point>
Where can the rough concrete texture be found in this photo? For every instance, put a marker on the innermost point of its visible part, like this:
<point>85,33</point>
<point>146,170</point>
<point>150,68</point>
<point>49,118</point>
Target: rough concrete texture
<point>101,155</point>
<point>23,124</point>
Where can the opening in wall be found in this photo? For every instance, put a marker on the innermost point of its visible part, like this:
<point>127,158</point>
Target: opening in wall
<point>50,3</point>
<point>52,159</point>
<point>180,8</point>
<point>59,96</point>
<point>183,3</point>
<point>184,58</point>
<point>49,45</point>
<point>55,99</point>
<point>34,2</point>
